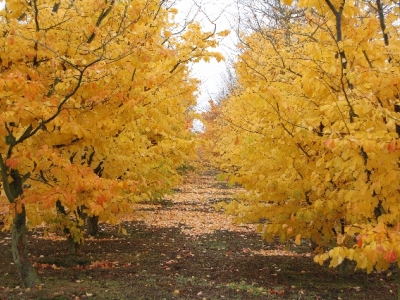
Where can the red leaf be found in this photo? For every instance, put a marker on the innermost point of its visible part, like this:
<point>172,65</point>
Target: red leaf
<point>359,241</point>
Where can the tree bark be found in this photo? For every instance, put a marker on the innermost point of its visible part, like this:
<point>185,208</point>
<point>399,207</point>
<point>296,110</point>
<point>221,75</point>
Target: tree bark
<point>92,225</point>
<point>74,247</point>
<point>345,269</point>
<point>19,250</point>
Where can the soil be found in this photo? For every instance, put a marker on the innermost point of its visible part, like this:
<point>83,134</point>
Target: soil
<point>180,247</point>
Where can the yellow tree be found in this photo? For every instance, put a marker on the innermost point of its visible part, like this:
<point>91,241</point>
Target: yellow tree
<point>94,105</point>
<point>312,130</point>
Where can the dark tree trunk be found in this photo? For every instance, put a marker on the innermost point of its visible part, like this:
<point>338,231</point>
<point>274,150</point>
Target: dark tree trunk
<point>92,225</point>
<point>74,247</point>
<point>19,251</point>
<point>346,268</point>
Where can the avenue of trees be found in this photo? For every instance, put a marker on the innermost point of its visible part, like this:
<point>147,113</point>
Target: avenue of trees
<point>97,100</point>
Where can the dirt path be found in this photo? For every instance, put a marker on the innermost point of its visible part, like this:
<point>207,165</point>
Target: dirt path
<point>191,207</point>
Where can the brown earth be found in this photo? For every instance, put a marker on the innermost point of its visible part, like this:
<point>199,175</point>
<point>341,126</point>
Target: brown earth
<point>181,248</point>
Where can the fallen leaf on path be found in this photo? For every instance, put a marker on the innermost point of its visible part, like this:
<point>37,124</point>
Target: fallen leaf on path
<point>276,252</point>
<point>191,209</point>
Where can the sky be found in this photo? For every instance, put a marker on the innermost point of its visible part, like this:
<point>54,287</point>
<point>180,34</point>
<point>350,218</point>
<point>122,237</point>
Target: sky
<point>211,74</point>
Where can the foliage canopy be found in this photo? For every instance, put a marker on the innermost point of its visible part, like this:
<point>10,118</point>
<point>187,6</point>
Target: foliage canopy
<point>95,105</point>
<point>312,129</point>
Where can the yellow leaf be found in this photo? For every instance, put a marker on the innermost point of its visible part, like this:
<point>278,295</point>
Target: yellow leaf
<point>321,258</point>
<point>167,34</point>
<point>224,32</point>
<point>298,239</point>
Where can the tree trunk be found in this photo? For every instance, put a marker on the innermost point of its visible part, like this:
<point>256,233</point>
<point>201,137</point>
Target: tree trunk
<point>19,251</point>
<point>92,225</point>
<point>74,247</point>
<point>345,269</point>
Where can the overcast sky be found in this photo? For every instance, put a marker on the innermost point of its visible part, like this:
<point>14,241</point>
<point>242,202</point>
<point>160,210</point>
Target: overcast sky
<point>211,73</point>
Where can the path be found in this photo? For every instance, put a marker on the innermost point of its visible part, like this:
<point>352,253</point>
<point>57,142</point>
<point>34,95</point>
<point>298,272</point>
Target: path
<point>191,207</point>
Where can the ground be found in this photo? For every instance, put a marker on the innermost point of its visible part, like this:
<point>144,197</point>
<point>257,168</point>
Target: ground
<point>181,248</point>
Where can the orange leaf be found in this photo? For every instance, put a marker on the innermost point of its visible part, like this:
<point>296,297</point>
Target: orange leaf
<point>359,241</point>
<point>329,143</point>
<point>19,208</point>
<point>392,146</point>
<point>390,256</point>
<point>101,199</point>
<point>12,162</point>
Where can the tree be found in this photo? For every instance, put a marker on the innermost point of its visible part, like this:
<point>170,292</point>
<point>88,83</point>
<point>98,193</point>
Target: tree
<point>312,130</point>
<point>95,98</point>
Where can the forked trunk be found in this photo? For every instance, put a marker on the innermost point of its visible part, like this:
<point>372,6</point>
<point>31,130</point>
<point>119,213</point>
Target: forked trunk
<point>19,251</point>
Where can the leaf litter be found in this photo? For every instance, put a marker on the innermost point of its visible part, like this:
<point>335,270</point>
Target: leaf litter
<point>182,248</point>
<point>192,209</point>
